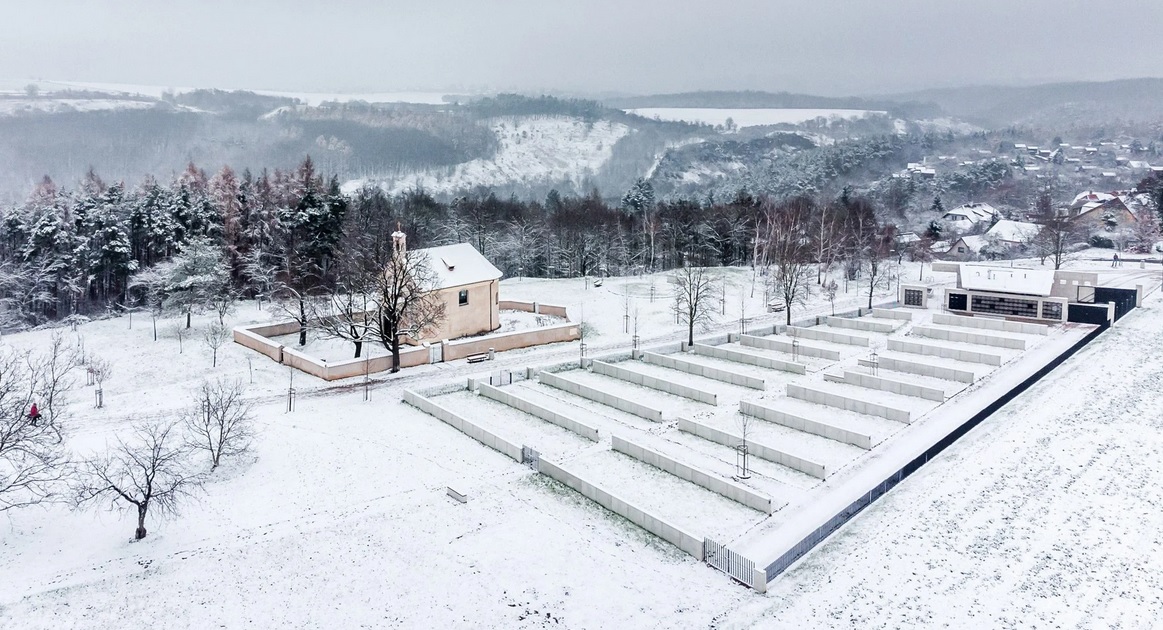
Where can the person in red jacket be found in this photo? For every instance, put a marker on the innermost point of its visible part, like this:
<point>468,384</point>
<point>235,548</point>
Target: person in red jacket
<point>34,414</point>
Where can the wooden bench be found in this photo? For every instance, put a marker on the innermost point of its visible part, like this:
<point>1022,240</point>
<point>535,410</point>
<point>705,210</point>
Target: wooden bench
<point>477,358</point>
<point>868,363</point>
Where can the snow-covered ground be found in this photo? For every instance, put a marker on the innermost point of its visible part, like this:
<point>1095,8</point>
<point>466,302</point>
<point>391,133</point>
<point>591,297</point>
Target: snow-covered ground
<point>308,98</point>
<point>746,117</point>
<point>1045,515</point>
<point>16,106</point>
<point>543,149</point>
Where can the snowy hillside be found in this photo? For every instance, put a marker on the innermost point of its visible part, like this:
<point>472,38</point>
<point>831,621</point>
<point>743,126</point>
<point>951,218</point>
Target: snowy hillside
<point>532,151</point>
<point>19,106</point>
<point>743,117</point>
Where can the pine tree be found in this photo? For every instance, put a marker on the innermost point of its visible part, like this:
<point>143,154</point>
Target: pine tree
<point>937,207</point>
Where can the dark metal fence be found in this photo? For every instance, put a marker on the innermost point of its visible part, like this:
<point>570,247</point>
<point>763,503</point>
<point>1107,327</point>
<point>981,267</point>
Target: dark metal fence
<point>1124,299</point>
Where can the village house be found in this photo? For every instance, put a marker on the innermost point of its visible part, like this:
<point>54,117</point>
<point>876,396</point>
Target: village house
<point>966,248</point>
<point>1097,208</point>
<point>1003,238</point>
<point>1012,233</point>
<point>965,217</point>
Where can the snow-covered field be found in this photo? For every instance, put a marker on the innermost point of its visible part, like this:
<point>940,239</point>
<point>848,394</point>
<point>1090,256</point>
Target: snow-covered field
<point>308,98</point>
<point>1046,515</point>
<point>532,150</point>
<point>14,106</point>
<point>746,117</point>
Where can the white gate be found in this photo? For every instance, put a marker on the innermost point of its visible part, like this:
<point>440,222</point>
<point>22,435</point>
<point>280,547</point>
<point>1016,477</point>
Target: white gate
<point>729,562</point>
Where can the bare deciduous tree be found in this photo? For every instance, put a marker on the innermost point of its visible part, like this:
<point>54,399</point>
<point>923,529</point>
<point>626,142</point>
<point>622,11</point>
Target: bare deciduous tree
<point>180,333</point>
<point>153,469</point>
<point>745,424</point>
<point>825,228</point>
<point>150,287</point>
<point>346,310</point>
<point>1057,231</point>
<point>220,420</point>
<point>296,304</point>
<point>101,371</point>
<point>830,290</point>
<point>788,248</point>
<point>407,299</point>
<point>51,373</point>
<point>32,461</point>
<point>695,293</point>
<point>346,313</point>
<point>214,336</point>
<point>222,302</point>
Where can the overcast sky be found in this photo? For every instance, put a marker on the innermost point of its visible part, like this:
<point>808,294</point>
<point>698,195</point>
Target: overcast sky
<point>627,46</point>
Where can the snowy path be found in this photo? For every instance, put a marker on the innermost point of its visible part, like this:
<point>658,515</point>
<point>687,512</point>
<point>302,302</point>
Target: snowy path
<point>690,507</point>
<point>513,425</point>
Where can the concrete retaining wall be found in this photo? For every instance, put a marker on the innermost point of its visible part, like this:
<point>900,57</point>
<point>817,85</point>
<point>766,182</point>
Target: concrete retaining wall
<point>728,354</point>
<point>798,423</point>
<point>591,393</point>
<point>685,541</point>
<point>533,409</point>
<point>258,343</point>
<point>766,453</point>
<point>532,307</point>
<point>410,356</point>
<point>924,369</point>
<point>256,337</point>
<point>968,356</point>
<point>780,345</point>
<point>827,335</point>
<point>511,340</point>
<point>466,427</point>
<point>891,385</point>
<point>861,324</point>
<point>705,371</point>
<point>985,323</point>
<point>892,313</point>
<point>712,482</point>
<point>550,309</point>
<point>965,336</point>
<point>654,382</point>
<point>838,401</point>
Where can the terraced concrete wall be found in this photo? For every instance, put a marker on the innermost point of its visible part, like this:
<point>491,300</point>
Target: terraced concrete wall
<point>892,313</point>
<point>654,382</point>
<point>827,335</point>
<point>533,409</point>
<point>894,386</point>
<point>672,534</point>
<point>851,404</point>
<point>861,324</point>
<point>968,356</point>
<point>463,425</point>
<point>592,393</point>
<point>705,371</point>
<point>985,323</point>
<point>780,345</point>
<point>806,425</point>
<point>965,336</point>
<point>767,453</point>
<point>729,354</point>
<point>924,369</point>
<point>712,482</point>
